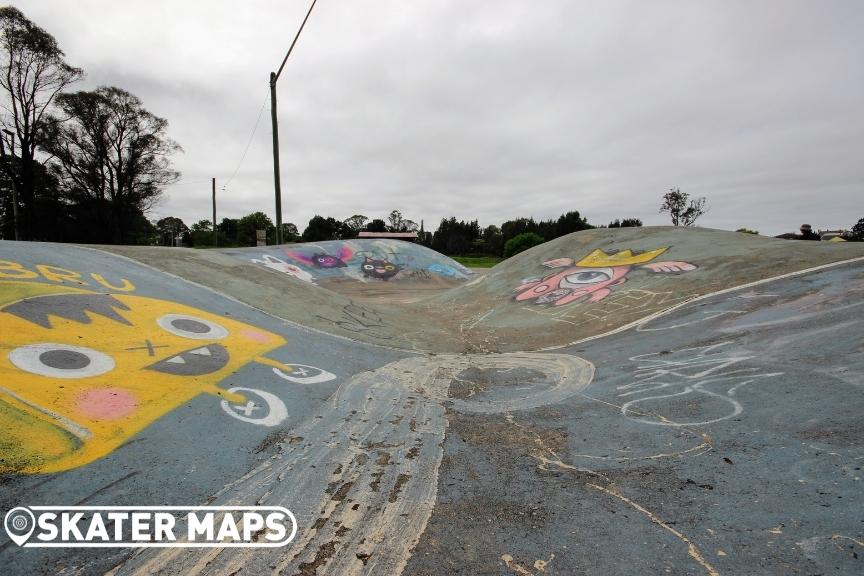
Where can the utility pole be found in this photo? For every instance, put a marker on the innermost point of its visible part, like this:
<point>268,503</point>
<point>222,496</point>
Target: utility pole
<point>274,76</point>
<point>215,234</point>
<point>276,177</point>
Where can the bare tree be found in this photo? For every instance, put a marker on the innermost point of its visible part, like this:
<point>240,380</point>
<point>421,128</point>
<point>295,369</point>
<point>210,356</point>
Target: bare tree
<point>683,210</point>
<point>33,73</point>
<point>113,154</point>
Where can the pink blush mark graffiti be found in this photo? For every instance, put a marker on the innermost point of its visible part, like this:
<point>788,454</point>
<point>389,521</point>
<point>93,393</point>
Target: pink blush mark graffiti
<point>255,336</point>
<point>106,403</point>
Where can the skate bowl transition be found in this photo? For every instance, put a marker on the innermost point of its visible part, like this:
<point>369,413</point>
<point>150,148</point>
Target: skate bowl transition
<point>654,400</point>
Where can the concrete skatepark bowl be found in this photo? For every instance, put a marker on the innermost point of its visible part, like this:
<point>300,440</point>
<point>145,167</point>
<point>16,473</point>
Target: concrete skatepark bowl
<point>653,401</point>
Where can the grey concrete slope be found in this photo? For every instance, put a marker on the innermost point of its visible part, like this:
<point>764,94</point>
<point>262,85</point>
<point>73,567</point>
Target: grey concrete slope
<point>724,438</point>
<point>361,260</point>
<point>721,438</point>
<point>590,282</point>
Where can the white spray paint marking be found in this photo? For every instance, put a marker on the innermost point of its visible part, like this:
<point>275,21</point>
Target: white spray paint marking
<point>686,372</point>
<point>707,316</point>
<point>303,374</point>
<point>252,412</point>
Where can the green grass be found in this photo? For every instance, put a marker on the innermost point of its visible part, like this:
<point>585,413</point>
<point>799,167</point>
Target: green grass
<point>478,261</point>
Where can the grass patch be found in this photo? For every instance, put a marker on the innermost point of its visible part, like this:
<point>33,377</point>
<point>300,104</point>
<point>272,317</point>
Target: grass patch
<point>478,261</point>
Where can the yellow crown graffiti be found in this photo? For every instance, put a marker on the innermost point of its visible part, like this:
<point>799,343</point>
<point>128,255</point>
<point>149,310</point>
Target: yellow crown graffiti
<point>600,259</point>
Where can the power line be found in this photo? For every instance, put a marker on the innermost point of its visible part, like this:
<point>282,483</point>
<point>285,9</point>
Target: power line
<point>249,143</point>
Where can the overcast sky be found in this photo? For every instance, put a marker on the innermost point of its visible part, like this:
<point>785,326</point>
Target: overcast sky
<point>495,109</point>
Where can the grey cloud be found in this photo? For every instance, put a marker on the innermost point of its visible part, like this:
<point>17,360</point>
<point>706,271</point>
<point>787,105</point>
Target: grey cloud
<point>494,110</point>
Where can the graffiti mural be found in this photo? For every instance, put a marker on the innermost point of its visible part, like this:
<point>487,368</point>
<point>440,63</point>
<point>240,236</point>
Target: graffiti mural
<point>280,265</point>
<point>322,259</point>
<point>379,268</point>
<point>361,260</point>
<point>593,277</point>
<point>82,372</point>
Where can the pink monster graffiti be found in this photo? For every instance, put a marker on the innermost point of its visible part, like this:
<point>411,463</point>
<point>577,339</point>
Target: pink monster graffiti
<point>322,259</point>
<point>593,276</point>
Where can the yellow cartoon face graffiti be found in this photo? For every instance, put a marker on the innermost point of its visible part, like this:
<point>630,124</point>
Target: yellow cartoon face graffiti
<point>82,372</point>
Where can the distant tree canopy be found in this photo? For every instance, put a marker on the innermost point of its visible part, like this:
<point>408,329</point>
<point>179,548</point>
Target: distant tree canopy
<point>626,223</point>
<point>376,225</point>
<point>455,237</point>
<point>747,231</point>
<point>84,166</point>
<point>112,156</point>
<point>458,237</point>
<point>857,233</point>
<point>320,229</point>
<point>33,73</point>
<point>355,224</point>
<point>522,242</point>
<point>683,210</point>
<point>172,231</point>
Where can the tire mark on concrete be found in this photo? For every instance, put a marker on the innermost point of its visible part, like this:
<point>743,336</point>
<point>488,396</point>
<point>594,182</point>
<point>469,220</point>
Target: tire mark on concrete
<point>363,480</point>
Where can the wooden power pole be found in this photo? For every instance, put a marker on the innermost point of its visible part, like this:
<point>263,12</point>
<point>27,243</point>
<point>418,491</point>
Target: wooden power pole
<point>215,233</point>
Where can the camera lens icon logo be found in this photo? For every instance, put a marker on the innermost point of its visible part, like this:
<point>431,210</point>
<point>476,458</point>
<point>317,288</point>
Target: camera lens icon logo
<point>19,524</point>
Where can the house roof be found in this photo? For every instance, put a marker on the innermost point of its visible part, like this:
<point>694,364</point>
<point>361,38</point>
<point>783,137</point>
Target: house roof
<point>387,235</point>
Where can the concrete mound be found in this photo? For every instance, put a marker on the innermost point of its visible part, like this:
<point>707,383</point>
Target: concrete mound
<point>368,261</point>
<point>560,292</point>
<point>591,282</point>
<point>725,430</point>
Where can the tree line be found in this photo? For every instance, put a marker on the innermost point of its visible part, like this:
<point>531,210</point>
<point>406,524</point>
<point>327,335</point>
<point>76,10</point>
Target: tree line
<point>454,237</point>
<point>81,166</point>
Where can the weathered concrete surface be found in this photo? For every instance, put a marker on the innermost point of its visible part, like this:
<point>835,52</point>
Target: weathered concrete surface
<point>482,315</point>
<point>487,317</point>
<point>723,438</point>
<point>284,295</point>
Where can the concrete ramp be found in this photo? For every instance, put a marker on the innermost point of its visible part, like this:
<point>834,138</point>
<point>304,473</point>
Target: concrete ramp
<point>591,282</point>
<point>720,431</point>
<point>361,260</point>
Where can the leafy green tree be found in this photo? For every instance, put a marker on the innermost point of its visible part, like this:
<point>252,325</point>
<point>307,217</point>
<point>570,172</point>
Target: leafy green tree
<point>395,219</point>
<point>248,225</point>
<point>747,231</point>
<point>33,73</point>
<point>626,223</point>
<point>227,230</point>
<point>201,233</point>
<point>456,237</point>
<point>521,243</point>
<point>172,231</point>
<point>857,232</point>
<point>570,222</point>
<point>355,224</point>
<point>320,229</point>
<point>290,232</point>
<point>683,210</point>
<point>513,228</point>
<point>376,225</point>
<point>493,241</point>
<point>113,154</point>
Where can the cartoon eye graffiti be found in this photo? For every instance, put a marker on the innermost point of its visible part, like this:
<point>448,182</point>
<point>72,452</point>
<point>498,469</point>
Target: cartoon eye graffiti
<point>389,267</point>
<point>61,360</point>
<point>589,276</point>
<point>303,374</point>
<point>368,267</point>
<point>191,327</point>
